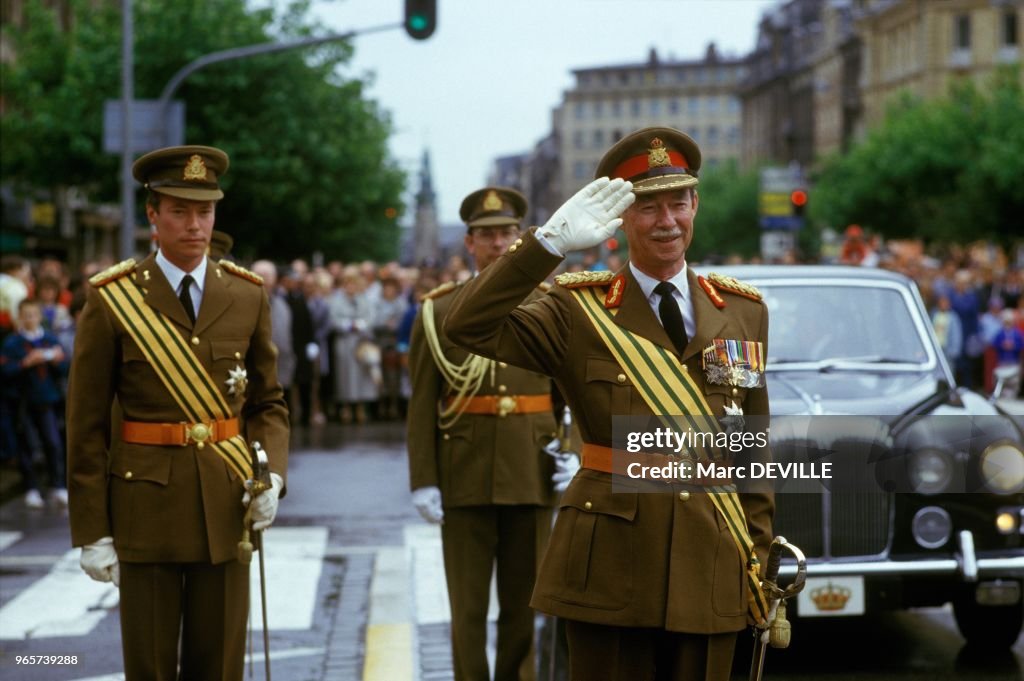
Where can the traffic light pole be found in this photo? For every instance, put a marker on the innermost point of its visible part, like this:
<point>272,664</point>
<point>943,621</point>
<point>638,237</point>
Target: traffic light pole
<point>251,51</point>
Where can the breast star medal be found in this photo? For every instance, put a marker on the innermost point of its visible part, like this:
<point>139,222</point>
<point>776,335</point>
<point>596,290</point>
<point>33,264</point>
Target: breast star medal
<point>237,381</point>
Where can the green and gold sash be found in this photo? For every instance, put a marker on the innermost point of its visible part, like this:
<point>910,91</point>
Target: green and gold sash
<point>670,392</point>
<point>179,370</point>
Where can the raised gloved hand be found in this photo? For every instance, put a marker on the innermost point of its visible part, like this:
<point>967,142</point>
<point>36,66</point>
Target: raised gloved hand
<point>427,501</point>
<point>99,560</point>
<point>589,217</point>
<point>566,465</point>
<point>264,507</point>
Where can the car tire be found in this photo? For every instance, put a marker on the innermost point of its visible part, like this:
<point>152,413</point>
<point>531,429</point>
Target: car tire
<point>989,627</point>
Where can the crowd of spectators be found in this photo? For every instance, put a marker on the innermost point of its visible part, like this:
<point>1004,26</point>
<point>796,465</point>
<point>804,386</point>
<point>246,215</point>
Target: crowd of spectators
<point>343,330</point>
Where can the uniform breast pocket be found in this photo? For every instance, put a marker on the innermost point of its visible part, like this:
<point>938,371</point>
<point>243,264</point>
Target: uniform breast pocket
<point>606,381</point>
<point>721,396</point>
<point>230,350</point>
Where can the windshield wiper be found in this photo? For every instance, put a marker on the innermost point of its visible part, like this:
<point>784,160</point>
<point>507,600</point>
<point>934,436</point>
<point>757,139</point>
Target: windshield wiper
<point>833,363</point>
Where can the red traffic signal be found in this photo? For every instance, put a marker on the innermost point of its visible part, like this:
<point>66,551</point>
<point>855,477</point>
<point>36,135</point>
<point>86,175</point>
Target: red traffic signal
<point>798,197</point>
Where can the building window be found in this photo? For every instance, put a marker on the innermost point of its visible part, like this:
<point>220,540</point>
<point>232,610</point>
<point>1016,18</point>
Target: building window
<point>962,32</point>
<point>734,135</point>
<point>692,105</point>
<point>712,135</point>
<point>597,141</point>
<point>579,111</point>
<point>692,132</point>
<point>681,76</point>
<point>673,105</point>
<point>711,105</point>
<point>617,108</point>
<point>579,170</point>
<point>634,107</point>
<point>577,139</point>
<point>654,106</point>
<point>1010,29</point>
<point>598,109</point>
<point>734,105</point>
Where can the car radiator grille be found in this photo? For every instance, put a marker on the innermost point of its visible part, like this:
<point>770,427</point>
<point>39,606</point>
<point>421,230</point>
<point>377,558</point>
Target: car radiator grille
<point>858,524</point>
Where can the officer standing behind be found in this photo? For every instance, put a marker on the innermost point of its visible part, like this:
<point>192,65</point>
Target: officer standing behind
<point>476,432</point>
<point>183,343</point>
<point>652,586</point>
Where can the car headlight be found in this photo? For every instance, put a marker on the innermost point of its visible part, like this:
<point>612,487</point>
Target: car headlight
<point>931,471</point>
<point>1002,468</point>
<point>931,527</point>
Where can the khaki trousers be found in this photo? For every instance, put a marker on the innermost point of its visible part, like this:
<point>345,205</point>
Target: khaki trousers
<point>204,606</point>
<point>475,539</point>
<point>603,653</point>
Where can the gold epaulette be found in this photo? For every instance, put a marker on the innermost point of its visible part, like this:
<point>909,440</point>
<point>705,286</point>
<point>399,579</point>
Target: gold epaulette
<point>734,285</point>
<point>439,291</point>
<point>240,271</point>
<point>544,287</point>
<point>112,273</point>
<point>583,279</point>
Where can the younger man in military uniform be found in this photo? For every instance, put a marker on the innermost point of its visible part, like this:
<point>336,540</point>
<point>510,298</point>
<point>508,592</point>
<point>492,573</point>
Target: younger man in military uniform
<point>652,586</point>
<point>476,433</point>
<point>158,508</point>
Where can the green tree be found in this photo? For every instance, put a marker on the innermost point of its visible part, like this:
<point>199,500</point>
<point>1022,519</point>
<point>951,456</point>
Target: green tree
<point>727,216</point>
<point>944,171</point>
<point>310,168</point>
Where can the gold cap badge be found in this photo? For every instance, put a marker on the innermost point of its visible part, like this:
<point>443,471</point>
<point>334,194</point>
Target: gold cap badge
<point>491,201</point>
<point>657,157</point>
<point>195,169</point>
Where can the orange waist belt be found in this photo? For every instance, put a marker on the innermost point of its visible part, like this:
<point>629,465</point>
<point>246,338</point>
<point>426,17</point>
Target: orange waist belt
<point>503,405</point>
<point>620,462</point>
<point>179,434</point>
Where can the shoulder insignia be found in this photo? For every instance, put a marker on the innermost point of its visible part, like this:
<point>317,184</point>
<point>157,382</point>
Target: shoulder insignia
<point>709,289</point>
<point>544,287</point>
<point>240,271</point>
<point>584,279</point>
<point>439,291</point>
<point>733,285</point>
<point>112,273</point>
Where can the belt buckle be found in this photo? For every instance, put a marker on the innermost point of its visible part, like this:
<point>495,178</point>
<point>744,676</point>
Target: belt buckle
<point>506,405</point>
<point>198,433</point>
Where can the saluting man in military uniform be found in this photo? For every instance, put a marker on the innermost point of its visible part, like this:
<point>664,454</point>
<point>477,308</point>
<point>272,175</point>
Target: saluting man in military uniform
<point>183,344</point>
<point>652,586</point>
<point>476,433</point>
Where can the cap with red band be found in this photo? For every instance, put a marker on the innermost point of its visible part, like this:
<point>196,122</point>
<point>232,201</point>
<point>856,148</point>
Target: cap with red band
<point>654,160</point>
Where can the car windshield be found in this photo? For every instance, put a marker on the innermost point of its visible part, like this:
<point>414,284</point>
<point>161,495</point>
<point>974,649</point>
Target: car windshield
<point>830,327</point>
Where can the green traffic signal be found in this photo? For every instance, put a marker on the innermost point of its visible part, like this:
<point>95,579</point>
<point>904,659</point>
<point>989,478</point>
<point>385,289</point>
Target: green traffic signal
<point>420,18</point>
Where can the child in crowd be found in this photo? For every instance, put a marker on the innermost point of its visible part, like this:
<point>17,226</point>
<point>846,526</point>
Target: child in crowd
<point>33,364</point>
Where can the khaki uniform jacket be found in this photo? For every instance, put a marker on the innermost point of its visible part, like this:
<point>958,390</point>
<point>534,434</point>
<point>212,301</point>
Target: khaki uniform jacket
<point>482,459</point>
<point>168,503</point>
<point>621,558</point>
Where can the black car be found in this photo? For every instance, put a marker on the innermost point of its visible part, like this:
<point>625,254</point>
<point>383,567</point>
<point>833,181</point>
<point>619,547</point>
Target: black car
<point>927,503</point>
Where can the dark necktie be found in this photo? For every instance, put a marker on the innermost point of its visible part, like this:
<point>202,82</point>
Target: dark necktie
<point>186,298</point>
<point>671,317</point>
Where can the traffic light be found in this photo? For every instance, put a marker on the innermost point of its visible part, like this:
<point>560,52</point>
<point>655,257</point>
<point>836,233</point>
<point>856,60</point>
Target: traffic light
<point>798,199</point>
<point>420,18</point>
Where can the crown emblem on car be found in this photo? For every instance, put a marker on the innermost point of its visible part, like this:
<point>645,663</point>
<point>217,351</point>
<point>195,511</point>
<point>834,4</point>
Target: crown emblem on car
<point>830,597</point>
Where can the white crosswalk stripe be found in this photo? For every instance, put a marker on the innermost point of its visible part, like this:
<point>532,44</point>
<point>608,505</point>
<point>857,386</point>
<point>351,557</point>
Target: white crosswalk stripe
<point>294,560</point>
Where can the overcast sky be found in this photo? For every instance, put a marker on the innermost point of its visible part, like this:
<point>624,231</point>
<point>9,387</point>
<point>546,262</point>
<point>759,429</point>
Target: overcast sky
<point>485,83</point>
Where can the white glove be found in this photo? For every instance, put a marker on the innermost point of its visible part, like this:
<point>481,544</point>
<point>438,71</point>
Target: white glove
<point>99,560</point>
<point>589,217</point>
<point>566,465</point>
<point>312,352</point>
<point>427,501</point>
<point>264,507</point>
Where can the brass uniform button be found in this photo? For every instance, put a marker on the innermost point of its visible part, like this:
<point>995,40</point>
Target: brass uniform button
<point>735,391</point>
<point>238,355</point>
<point>621,378</point>
<point>686,368</point>
<point>502,389</point>
<point>195,340</point>
<point>513,248</point>
<point>519,242</point>
<point>502,365</point>
<point>447,436</point>
<point>684,496</point>
<point>128,475</point>
<point>588,506</point>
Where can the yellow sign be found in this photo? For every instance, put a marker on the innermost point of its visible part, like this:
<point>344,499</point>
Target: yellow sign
<point>775,204</point>
<point>44,214</point>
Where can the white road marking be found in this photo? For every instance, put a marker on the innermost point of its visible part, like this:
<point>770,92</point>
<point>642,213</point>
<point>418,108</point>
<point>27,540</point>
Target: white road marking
<point>36,613</point>
<point>8,538</point>
<point>294,561</point>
